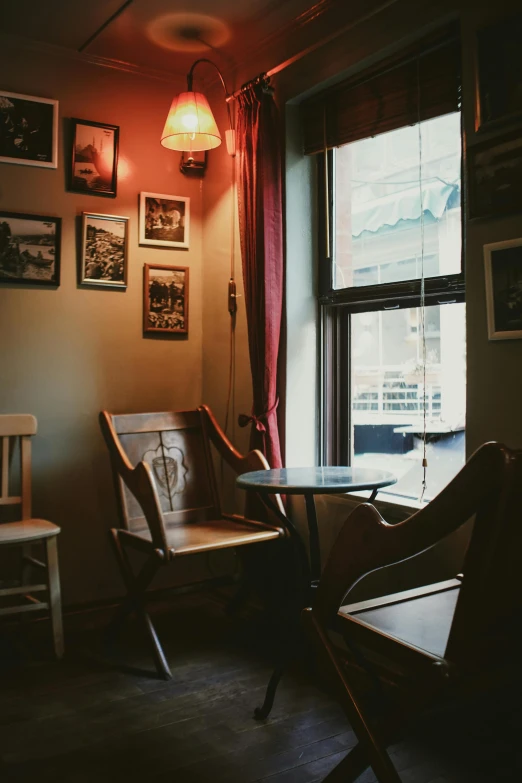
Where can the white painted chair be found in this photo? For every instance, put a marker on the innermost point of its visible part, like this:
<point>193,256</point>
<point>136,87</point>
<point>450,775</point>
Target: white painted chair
<point>28,531</point>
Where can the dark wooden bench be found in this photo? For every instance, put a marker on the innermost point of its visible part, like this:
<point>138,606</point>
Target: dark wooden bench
<point>412,647</point>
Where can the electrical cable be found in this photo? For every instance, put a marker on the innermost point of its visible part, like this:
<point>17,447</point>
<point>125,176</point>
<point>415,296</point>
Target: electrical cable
<point>422,299</point>
<point>232,348</point>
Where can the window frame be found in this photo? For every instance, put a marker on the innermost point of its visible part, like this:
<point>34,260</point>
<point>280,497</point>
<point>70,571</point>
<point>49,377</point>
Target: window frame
<point>337,305</point>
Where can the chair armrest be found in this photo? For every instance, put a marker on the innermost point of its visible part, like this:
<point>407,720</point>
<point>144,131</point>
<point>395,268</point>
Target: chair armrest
<point>224,447</point>
<point>240,463</point>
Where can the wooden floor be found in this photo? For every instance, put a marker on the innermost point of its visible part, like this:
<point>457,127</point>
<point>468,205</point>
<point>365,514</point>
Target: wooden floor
<point>85,721</point>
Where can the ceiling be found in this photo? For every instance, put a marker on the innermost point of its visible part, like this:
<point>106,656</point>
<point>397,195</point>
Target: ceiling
<point>162,36</point>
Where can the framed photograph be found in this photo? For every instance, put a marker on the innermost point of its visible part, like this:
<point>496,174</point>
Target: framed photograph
<point>28,130</point>
<point>164,220</point>
<point>499,69</point>
<point>495,176</point>
<point>503,262</point>
<point>165,299</point>
<point>94,158</point>
<point>29,249</point>
<point>105,243</point>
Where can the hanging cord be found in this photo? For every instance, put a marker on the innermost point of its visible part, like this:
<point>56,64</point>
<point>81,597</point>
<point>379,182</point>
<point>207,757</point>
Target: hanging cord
<point>231,395</point>
<point>422,298</point>
<point>326,188</point>
<point>231,392</point>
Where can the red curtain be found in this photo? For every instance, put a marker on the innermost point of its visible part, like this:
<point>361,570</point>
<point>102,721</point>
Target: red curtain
<point>261,229</point>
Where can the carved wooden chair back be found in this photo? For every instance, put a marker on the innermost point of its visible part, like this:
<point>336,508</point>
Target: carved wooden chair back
<point>176,451</point>
<point>175,479</point>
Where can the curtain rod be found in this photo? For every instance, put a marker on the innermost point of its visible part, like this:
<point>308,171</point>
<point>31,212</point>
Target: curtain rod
<point>312,48</point>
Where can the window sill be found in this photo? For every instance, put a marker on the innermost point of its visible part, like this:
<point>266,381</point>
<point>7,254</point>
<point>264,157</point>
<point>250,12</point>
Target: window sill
<point>393,506</point>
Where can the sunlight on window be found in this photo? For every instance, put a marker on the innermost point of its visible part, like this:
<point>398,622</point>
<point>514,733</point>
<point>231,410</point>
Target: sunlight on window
<point>391,228</point>
<point>388,395</point>
<point>378,205</point>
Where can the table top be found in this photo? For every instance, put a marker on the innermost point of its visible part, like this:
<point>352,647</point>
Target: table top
<point>318,481</point>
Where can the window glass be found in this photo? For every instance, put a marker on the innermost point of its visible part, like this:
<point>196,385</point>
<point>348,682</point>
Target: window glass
<point>390,388</point>
<point>379,234</point>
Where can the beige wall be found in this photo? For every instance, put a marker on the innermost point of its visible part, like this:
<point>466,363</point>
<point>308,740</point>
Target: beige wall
<point>221,259</point>
<point>65,354</point>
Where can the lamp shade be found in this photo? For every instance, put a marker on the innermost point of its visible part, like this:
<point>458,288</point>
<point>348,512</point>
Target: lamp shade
<point>190,124</point>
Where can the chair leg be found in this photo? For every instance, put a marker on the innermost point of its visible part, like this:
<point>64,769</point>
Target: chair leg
<point>134,601</point>
<point>160,661</point>
<point>260,713</point>
<point>55,598</point>
<point>349,769</point>
<point>25,576</point>
<point>372,742</point>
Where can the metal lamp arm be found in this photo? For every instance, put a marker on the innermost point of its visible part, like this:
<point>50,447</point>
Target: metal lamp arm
<point>190,78</point>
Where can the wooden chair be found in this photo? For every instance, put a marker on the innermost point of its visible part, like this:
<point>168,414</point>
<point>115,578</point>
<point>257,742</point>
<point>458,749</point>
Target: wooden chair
<point>28,531</point>
<point>168,499</point>
<point>435,640</point>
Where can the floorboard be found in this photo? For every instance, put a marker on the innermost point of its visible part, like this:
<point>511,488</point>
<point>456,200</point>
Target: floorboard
<point>93,718</point>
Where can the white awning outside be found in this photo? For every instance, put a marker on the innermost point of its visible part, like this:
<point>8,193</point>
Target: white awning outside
<point>404,205</point>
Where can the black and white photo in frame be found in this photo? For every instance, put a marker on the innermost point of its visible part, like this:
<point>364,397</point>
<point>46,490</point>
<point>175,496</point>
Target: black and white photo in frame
<point>165,299</point>
<point>499,65</point>
<point>495,176</point>
<point>164,220</point>
<point>29,249</point>
<point>28,130</point>
<point>503,262</point>
<point>104,250</point>
<point>94,158</point>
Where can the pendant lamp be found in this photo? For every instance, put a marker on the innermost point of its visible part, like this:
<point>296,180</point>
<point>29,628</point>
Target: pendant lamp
<point>190,125</point>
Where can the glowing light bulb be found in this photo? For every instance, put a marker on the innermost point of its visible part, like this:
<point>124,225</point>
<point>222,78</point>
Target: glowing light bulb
<point>190,121</point>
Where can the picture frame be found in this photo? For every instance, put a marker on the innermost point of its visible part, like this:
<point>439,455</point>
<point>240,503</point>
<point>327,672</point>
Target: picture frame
<point>495,176</point>
<point>164,221</point>
<point>28,130</point>
<point>165,299</point>
<point>498,65</point>
<point>503,269</point>
<point>30,249</point>
<point>94,158</point>
<point>104,250</point>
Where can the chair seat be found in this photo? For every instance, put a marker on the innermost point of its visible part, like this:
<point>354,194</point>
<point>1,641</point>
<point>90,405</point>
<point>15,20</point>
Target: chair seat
<point>26,530</point>
<point>420,620</point>
<point>188,538</point>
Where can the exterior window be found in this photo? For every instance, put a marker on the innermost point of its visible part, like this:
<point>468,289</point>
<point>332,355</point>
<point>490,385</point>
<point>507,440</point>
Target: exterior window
<point>388,230</point>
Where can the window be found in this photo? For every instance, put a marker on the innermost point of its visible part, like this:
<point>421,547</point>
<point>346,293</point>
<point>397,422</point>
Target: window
<point>391,228</point>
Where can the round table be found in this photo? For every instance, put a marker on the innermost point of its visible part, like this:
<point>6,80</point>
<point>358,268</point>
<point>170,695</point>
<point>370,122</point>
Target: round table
<point>310,482</point>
